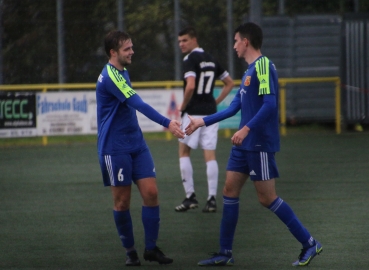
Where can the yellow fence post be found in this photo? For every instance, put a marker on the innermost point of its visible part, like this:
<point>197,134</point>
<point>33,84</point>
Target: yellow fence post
<point>282,97</point>
<point>338,106</point>
<point>227,133</point>
<point>44,138</point>
<point>168,135</point>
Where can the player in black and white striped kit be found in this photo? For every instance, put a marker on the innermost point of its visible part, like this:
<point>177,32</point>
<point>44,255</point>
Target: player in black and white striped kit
<point>200,72</point>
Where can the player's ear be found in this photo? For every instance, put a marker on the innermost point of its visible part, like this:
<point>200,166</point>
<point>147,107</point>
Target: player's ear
<point>112,52</point>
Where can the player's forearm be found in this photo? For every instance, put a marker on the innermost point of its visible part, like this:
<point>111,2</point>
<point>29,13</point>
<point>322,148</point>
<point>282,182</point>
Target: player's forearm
<point>233,108</point>
<point>228,85</point>
<point>187,97</point>
<point>267,109</point>
<point>223,94</point>
<point>153,115</point>
<point>137,103</point>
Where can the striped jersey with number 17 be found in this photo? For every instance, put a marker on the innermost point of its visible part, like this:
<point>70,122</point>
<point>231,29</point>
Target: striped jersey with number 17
<point>206,70</point>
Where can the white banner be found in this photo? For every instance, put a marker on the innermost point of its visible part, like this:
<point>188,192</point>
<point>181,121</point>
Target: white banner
<point>71,113</point>
<point>164,101</point>
<point>66,113</point>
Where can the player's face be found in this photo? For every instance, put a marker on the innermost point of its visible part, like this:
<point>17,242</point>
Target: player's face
<point>186,43</point>
<point>124,54</point>
<point>240,45</point>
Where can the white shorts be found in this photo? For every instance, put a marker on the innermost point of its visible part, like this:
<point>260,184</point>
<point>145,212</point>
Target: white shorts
<point>205,136</point>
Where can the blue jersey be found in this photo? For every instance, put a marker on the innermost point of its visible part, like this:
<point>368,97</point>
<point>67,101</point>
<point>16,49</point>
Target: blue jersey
<point>118,129</point>
<point>257,99</point>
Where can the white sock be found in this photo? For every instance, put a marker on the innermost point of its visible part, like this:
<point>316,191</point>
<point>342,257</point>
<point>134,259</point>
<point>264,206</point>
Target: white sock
<point>212,172</point>
<point>187,175</point>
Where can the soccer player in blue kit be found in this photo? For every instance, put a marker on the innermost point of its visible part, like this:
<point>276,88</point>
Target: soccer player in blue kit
<point>255,144</point>
<point>123,154</point>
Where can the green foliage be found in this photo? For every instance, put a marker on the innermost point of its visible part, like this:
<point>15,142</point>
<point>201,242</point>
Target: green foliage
<point>29,46</point>
<point>29,36</point>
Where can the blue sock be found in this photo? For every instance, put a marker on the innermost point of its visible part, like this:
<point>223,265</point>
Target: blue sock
<point>151,223</point>
<point>285,213</point>
<point>228,224</point>
<point>123,222</point>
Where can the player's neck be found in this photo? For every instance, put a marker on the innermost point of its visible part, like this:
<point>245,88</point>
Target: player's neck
<point>116,64</point>
<point>251,56</point>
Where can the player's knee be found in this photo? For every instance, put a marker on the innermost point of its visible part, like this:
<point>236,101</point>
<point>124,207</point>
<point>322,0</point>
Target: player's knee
<point>121,205</point>
<point>150,197</point>
<point>265,201</point>
<point>230,192</point>
<point>152,194</point>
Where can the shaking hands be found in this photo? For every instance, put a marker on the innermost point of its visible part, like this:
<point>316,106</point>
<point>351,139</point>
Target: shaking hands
<point>194,124</point>
<point>175,128</point>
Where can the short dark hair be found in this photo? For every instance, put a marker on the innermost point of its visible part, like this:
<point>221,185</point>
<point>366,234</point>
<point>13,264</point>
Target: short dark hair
<point>189,30</point>
<point>252,32</point>
<point>114,40</point>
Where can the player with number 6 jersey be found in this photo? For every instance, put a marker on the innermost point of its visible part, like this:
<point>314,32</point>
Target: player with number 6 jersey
<point>123,154</point>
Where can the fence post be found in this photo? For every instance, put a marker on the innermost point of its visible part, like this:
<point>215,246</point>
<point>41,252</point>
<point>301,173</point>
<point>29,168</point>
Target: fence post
<point>338,106</point>
<point>44,138</point>
<point>282,97</point>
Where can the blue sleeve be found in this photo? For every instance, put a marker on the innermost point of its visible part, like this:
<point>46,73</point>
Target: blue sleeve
<point>233,108</point>
<point>137,103</point>
<point>268,107</point>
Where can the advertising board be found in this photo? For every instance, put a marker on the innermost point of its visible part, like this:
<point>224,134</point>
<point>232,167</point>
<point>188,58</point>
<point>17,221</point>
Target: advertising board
<point>17,114</point>
<point>66,113</point>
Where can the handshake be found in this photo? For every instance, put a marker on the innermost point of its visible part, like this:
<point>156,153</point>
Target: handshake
<point>175,127</point>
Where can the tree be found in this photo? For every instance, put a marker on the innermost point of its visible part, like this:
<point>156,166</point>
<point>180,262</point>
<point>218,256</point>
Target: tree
<point>30,41</point>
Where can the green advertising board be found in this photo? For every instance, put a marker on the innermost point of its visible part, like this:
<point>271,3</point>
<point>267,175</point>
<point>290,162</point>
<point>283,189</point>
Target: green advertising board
<point>234,121</point>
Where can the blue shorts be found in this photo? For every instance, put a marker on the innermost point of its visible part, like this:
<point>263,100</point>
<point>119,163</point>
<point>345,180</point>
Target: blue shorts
<point>258,165</point>
<point>121,170</point>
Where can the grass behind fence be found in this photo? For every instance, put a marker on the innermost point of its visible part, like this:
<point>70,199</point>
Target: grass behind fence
<point>55,213</point>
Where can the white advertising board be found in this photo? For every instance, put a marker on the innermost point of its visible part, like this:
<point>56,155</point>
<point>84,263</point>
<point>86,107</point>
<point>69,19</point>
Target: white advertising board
<point>73,113</point>
<point>66,113</point>
<point>164,101</point>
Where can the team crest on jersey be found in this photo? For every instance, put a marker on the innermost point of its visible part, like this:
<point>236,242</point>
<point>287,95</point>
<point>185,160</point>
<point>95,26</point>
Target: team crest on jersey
<point>247,81</point>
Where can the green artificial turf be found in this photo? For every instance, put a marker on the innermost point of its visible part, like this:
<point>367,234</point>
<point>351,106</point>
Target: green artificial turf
<point>56,214</point>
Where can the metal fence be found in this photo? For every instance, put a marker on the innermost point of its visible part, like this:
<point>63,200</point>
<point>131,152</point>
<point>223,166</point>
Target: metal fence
<point>355,68</point>
<point>305,46</point>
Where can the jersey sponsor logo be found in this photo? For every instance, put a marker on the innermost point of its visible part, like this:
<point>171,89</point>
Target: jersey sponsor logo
<point>207,64</point>
<point>100,78</point>
<point>247,81</point>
